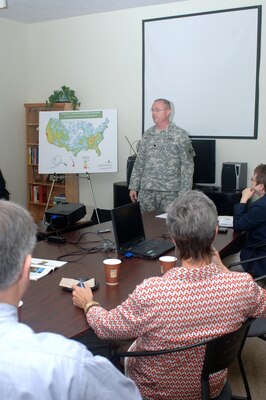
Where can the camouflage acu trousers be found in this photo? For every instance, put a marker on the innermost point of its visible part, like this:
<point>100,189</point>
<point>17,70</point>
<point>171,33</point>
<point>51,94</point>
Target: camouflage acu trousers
<point>151,200</point>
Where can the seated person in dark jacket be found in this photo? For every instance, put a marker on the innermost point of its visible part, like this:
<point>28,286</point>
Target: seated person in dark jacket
<point>4,194</point>
<point>252,219</point>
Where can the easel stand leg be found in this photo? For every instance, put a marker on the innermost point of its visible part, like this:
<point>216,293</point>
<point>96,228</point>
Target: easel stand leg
<point>50,194</point>
<point>94,201</point>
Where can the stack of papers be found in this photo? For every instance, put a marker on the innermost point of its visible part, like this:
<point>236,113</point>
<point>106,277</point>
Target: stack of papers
<point>40,267</point>
<point>225,220</point>
<point>161,216</point>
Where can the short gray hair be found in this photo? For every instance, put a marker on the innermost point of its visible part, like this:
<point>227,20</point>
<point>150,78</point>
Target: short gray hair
<point>166,102</point>
<point>17,240</point>
<point>192,220</point>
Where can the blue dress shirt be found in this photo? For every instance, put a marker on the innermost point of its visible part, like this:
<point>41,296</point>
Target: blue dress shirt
<point>47,366</point>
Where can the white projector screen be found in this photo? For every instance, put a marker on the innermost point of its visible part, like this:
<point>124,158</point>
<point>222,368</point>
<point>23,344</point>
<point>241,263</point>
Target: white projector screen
<point>207,65</point>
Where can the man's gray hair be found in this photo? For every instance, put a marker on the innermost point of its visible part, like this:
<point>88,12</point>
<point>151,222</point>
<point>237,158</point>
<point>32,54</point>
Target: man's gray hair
<point>166,102</point>
<point>17,240</point>
<point>192,220</point>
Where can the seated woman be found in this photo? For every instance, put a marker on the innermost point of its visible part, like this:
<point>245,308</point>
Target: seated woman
<point>198,300</point>
<point>251,218</point>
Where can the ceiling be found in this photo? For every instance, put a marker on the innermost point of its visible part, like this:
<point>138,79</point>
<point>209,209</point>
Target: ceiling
<point>30,11</point>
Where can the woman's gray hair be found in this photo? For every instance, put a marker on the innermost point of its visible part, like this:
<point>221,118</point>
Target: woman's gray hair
<point>192,220</point>
<point>17,240</point>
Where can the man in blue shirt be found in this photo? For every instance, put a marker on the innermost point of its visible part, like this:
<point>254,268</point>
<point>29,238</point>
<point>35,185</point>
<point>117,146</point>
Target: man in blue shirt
<point>43,366</point>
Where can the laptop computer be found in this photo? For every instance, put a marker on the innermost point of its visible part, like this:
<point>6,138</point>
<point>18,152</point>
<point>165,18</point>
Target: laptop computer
<point>130,236</point>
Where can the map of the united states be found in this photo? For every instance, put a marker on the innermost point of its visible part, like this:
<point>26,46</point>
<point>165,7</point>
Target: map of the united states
<point>76,135</point>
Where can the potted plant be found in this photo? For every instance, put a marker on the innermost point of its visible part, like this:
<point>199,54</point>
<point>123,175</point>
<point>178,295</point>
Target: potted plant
<point>64,95</point>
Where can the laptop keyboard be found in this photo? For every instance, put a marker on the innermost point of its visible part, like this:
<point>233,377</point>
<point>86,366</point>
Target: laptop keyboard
<point>148,245</point>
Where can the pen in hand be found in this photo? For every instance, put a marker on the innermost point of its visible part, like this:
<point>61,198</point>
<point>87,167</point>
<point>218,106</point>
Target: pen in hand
<point>81,284</point>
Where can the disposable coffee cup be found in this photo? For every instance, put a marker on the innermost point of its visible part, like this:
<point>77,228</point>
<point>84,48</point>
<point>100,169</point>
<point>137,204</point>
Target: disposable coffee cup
<point>20,304</point>
<point>112,269</point>
<point>167,262</point>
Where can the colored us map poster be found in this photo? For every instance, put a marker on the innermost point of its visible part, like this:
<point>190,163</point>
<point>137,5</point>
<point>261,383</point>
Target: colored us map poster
<point>77,141</point>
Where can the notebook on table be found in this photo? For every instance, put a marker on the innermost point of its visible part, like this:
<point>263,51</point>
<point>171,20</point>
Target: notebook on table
<point>130,235</point>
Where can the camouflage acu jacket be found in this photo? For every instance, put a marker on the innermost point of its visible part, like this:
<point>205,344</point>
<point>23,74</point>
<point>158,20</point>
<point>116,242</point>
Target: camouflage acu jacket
<point>164,161</point>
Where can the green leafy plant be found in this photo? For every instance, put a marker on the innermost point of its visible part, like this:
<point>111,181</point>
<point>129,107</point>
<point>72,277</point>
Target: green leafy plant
<point>64,95</point>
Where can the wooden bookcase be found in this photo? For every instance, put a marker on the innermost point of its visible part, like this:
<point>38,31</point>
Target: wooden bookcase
<point>39,185</point>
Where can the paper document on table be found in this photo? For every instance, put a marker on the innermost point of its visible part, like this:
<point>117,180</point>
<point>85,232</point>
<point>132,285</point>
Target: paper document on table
<point>41,267</point>
<point>225,220</point>
<point>162,216</point>
<point>67,283</point>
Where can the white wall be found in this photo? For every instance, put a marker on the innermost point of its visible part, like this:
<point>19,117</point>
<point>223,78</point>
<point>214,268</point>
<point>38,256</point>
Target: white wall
<point>100,56</point>
<point>14,89</point>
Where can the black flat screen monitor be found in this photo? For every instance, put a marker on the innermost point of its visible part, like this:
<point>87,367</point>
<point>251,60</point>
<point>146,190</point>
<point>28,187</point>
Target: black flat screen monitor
<point>204,161</point>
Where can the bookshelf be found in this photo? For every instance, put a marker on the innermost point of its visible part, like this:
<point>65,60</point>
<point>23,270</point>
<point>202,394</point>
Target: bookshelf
<point>66,186</point>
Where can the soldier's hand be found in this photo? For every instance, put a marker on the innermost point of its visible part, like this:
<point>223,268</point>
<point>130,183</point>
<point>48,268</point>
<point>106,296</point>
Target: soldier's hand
<point>133,196</point>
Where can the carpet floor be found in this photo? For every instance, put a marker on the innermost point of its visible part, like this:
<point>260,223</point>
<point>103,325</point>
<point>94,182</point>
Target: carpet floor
<point>254,360</point>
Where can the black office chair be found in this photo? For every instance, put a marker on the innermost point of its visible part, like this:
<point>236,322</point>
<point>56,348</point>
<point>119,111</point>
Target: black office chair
<point>259,253</point>
<point>219,354</point>
<point>258,325</point>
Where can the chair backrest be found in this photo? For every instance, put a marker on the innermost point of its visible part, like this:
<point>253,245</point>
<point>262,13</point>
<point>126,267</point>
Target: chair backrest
<point>250,261</point>
<point>220,352</point>
<point>256,264</point>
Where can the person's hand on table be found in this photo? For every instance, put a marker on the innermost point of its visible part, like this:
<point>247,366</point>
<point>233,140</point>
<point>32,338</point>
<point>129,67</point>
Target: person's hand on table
<point>81,296</point>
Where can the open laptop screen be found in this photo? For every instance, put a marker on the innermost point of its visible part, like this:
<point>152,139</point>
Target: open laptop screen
<point>127,224</point>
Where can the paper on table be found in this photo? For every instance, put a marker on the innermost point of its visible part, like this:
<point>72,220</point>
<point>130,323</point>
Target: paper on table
<point>162,216</point>
<point>67,283</point>
<point>41,267</point>
<point>225,220</point>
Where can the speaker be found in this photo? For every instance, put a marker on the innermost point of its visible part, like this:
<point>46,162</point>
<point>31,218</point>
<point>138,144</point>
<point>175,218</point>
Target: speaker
<point>234,175</point>
<point>130,164</point>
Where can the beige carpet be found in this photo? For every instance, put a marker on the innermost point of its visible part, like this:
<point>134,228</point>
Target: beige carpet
<point>254,360</point>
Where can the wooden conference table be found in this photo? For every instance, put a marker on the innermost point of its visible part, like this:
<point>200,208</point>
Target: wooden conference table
<point>47,307</point>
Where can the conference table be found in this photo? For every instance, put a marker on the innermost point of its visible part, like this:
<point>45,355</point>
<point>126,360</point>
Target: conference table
<point>48,308</point>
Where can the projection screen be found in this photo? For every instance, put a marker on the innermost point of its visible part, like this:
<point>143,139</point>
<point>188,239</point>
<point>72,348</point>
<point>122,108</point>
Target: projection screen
<point>207,65</point>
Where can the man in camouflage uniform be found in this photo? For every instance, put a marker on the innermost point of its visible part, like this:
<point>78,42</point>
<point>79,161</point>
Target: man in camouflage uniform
<point>164,165</point>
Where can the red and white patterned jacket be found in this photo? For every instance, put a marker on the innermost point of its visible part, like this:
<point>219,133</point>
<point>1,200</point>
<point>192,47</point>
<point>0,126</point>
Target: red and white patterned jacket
<point>182,307</point>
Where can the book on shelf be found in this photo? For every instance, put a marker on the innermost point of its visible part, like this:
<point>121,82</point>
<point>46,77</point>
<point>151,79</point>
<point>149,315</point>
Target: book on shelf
<point>40,191</point>
<point>36,176</point>
<point>41,267</point>
<point>34,195</point>
<point>33,155</point>
<point>38,194</point>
